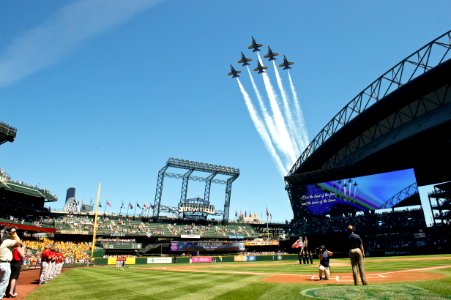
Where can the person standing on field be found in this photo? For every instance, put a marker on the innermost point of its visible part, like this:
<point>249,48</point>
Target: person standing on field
<point>6,255</point>
<point>356,255</point>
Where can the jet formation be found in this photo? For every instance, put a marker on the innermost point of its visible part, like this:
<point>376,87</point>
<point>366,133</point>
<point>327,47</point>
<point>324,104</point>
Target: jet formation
<point>244,61</point>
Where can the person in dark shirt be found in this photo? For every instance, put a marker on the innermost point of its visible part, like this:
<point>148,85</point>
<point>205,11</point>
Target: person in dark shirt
<point>356,255</point>
<point>324,270</point>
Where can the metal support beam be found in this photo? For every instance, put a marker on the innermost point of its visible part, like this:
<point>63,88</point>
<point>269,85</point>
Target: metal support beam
<point>225,218</point>
<point>185,185</point>
<point>159,192</point>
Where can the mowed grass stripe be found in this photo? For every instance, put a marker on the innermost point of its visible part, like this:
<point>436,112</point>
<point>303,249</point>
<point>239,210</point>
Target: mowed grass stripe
<point>105,282</point>
<point>101,284</point>
<point>76,284</point>
<point>193,285</point>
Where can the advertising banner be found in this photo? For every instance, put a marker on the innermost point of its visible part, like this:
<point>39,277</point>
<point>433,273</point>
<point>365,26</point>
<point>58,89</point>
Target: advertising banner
<point>190,236</point>
<point>130,260</point>
<point>159,260</point>
<point>202,259</point>
<point>206,246</point>
<point>240,258</point>
<point>111,260</point>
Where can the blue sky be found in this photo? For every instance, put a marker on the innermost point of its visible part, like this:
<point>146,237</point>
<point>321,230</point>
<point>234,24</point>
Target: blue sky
<point>107,91</point>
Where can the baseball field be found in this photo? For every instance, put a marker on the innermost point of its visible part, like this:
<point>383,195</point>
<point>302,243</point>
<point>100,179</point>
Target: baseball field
<point>402,277</point>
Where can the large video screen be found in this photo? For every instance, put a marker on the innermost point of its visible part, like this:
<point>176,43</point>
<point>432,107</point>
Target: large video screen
<point>207,246</point>
<point>361,193</point>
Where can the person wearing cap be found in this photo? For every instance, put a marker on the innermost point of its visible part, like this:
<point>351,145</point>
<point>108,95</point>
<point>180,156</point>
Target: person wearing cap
<point>44,275</point>
<point>6,255</point>
<point>356,255</point>
<point>324,270</point>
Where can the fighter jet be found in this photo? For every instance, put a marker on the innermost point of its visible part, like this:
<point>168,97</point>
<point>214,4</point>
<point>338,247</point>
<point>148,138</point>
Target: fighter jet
<point>254,46</point>
<point>244,60</point>
<point>233,72</point>
<point>286,64</point>
<point>260,68</point>
<point>270,55</point>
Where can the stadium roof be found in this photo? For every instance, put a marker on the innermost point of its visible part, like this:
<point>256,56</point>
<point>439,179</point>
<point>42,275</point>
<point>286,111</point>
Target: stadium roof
<point>19,187</point>
<point>402,120</point>
<point>7,133</point>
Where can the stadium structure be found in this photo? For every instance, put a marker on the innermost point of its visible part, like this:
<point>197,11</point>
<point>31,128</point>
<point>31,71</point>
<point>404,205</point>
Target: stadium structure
<point>195,208</point>
<point>400,124</point>
<point>21,201</point>
<point>364,167</point>
<point>7,133</point>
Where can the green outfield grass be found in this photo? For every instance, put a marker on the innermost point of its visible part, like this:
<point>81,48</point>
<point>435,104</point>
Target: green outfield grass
<point>247,281</point>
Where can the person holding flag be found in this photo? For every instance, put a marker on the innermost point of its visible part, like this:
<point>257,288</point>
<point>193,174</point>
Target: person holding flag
<point>299,244</point>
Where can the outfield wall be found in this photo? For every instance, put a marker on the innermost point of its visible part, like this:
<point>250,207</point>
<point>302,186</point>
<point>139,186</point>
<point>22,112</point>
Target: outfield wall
<point>194,259</point>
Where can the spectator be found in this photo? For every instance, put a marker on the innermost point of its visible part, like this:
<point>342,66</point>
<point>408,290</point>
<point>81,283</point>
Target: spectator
<point>356,255</point>
<point>6,256</point>
<point>16,265</point>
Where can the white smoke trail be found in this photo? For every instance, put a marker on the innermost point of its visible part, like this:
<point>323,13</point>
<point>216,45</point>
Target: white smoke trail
<point>275,137</point>
<point>288,148</point>
<point>300,122</point>
<point>287,111</point>
<point>262,130</point>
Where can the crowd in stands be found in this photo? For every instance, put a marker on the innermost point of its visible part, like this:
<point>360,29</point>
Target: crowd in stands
<point>392,222</point>
<point>74,253</point>
<point>128,226</point>
<point>385,230</point>
<point>32,221</point>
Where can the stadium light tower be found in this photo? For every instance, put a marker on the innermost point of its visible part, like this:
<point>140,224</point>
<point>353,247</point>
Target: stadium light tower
<point>192,166</point>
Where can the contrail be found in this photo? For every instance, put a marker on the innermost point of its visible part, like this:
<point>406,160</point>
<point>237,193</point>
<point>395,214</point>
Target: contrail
<point>262,130</point>
<point>300,117</point>
<point>289,117</point>
<point>275,137</point>
<point>48,43</point>
<point>279,122</point>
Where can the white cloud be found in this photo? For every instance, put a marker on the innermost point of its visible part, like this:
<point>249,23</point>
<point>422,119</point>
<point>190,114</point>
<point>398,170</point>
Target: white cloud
<point>47,43</point>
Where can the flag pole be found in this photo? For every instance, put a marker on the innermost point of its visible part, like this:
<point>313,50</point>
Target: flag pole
<point>267,224</point>
<point>94,231</point>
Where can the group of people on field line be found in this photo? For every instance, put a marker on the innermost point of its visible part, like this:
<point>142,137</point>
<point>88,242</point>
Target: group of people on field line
<point>52,261</point>
<point>356,256</point>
